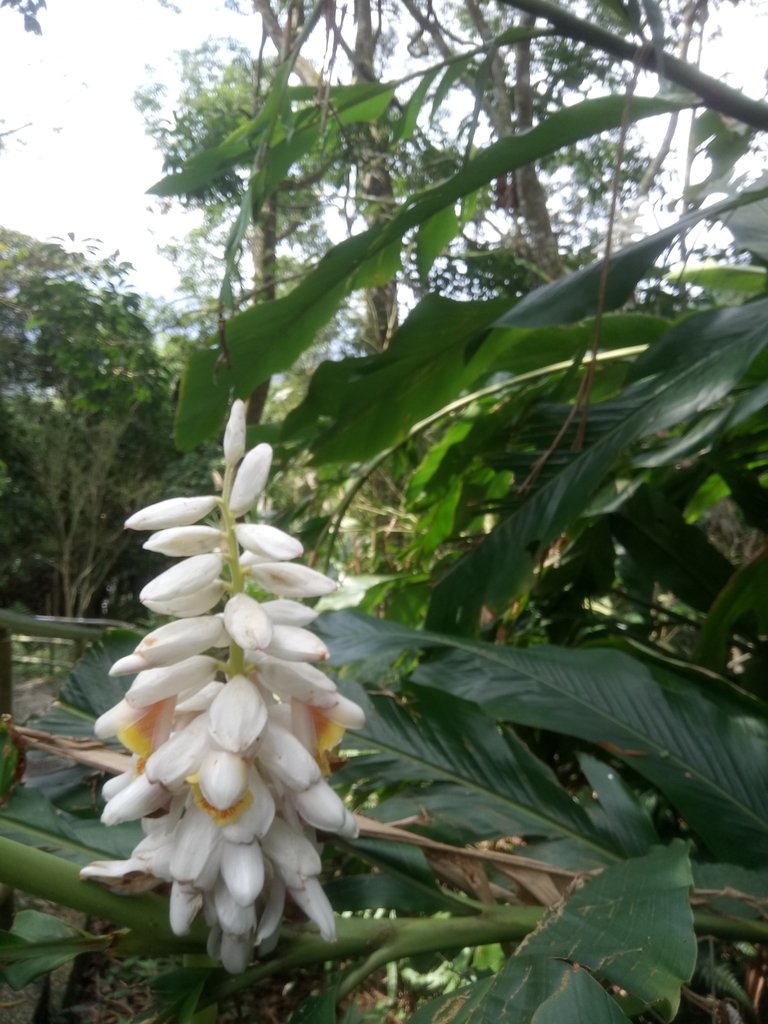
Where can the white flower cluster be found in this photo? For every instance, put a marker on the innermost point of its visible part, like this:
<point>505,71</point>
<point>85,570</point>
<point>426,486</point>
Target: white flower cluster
<point>228,721</point>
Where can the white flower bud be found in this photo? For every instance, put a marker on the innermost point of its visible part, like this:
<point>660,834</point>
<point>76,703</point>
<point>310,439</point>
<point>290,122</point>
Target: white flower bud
<point>236,951</point>
<point>320,807</point>
<point>242,868</point>
<point>288,580</point>
<point>291,679</point>
<point>197,845</point>
<point>157,683</point>
<point>286,757</point>
<point>186,577</point>
<point>295,644</point>
<point>345,712</point>
<point>174,642</point>
<point>234,434</point>
<point>237,716</point>
<point>315,904</point>
<point>185,904</point>
<point>268,541</point>
<point>251,479</point>
<point>172,512</point>
<point>180,755</point>
<point>191,604</point>
<point>113,786</point>
<point>234,918</point>
<point>182,541</point>
<point>272,911</point>
<point>191,702</point>
<point>284,612</point>
<point>138,799</point>
<point>290,851</point>
<point>247,622</point>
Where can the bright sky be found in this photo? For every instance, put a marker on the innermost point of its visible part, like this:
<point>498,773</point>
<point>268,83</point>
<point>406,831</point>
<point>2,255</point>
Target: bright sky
<point>83,163</point>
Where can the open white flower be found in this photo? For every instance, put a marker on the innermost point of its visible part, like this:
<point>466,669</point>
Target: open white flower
<point>229,722</point>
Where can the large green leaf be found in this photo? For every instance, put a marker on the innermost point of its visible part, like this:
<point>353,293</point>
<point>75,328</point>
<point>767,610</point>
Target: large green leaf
<point>502,565</point>
<point>667,549</point>
<point>631,925</point>
<point>440,738</point>
<point>358,406</point>
<point>30,818</point>
<point>701,743</point>
<point>269,338</point>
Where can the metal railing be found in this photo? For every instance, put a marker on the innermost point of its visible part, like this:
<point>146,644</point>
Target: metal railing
<point>43,627</point>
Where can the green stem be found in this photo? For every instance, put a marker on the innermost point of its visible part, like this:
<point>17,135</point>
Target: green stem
<point>53,878</point>
<point>236,664</point>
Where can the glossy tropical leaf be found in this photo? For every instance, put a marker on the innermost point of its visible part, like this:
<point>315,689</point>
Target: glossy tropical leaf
<point>502,565</point>
<point>439,738</point>
<point>623,815</point>
<point>701,743</point>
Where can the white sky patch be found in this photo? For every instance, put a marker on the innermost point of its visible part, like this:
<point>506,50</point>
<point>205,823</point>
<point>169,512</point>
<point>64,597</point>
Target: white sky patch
<point>84,162</point>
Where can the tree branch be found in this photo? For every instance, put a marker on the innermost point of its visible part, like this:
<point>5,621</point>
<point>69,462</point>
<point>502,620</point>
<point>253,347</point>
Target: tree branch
<point>714,93</point>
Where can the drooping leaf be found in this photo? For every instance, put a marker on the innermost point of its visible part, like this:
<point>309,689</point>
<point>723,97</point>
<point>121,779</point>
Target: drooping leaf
<point>441,739</point>
<point>630,926</point>
<point>295,318</point>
